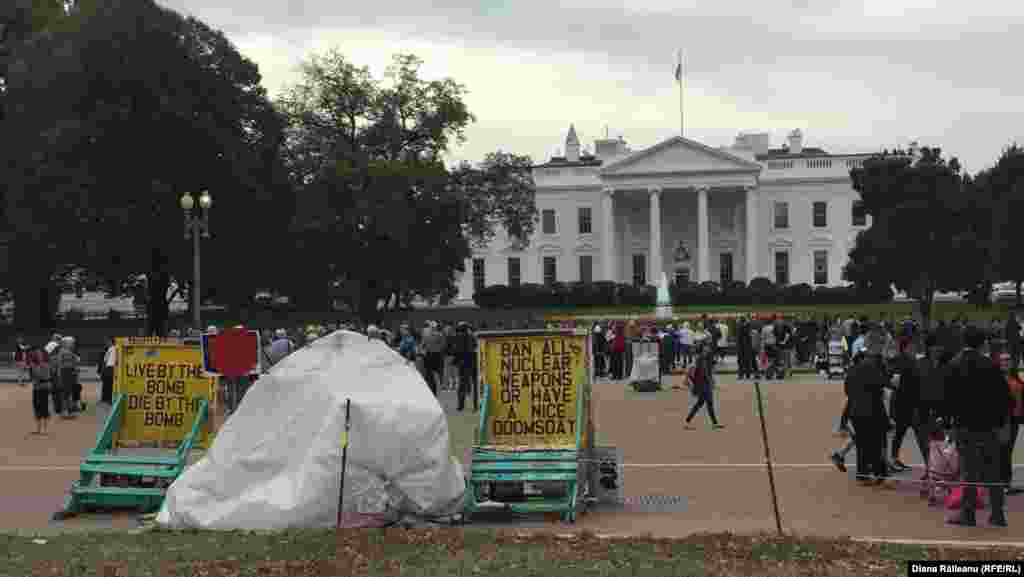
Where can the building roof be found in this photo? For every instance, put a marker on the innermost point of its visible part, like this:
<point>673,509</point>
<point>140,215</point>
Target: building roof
<point>561,162</point>
<point>808,152</point>
<point>571,137</point>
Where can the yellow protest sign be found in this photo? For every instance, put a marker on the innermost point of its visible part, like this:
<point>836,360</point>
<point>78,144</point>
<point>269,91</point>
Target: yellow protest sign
<point>163,383</point>
<point>534,383</point>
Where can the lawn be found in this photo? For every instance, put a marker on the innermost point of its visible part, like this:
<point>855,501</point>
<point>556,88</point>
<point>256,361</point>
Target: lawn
<point>942,310</point>
<point>454,551</point>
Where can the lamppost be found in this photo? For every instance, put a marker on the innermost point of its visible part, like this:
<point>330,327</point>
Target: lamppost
<point>197,224</point>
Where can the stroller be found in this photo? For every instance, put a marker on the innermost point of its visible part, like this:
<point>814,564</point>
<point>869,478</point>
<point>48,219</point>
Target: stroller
<point>836,367</point>
<point>943,470</point>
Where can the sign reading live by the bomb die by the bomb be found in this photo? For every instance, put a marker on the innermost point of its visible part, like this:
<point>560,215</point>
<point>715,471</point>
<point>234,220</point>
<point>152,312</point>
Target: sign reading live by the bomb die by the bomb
<point>163,383</point>
<point>535,381</point>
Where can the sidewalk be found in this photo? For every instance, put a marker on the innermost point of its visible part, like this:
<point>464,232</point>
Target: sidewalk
<point>9,374</point>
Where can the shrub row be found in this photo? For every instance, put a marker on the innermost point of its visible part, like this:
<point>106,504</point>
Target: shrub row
<point>606,293</point>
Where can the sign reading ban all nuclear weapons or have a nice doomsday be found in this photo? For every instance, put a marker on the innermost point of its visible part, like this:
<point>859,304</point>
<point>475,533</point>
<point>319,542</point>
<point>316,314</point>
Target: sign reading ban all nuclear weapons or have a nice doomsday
<point>534,383</point>
<point>163,383</point>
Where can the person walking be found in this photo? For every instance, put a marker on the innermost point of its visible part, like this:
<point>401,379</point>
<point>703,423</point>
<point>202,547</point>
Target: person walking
<point>1016,387</point>
<point>618,340</point>
<point>906,409</point>
<point>1011,333</point>
<point>464,353</point>
<point>863,387</point>
<point>598,346</point>
<point>67,365</point>
<point>433,356</point>
<point>42,381</point>
<point>744,367</point>
<point>686,344</point>
<point>21,361</point>
<point>280,347</point>
<point>107,380</point>
<point>702,383</point>
<point>981,398</point>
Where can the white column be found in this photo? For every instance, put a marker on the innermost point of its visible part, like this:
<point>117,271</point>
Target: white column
<point>703,237</point>
<point>751,233</point>
<point>656,263</point>
<point>608,233</point>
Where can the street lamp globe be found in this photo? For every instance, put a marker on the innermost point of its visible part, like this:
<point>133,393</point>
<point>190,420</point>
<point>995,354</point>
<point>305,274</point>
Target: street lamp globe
<point>205,201</point>
<point>187,202</point>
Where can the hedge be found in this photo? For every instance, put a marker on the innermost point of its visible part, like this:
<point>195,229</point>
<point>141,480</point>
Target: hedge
<point>760,291</point>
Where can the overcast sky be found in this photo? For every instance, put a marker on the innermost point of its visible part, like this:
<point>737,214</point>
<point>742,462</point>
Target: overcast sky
<point>855,76</point>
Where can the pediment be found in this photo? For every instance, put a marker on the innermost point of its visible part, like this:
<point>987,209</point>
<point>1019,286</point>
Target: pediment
<point>677,155</point>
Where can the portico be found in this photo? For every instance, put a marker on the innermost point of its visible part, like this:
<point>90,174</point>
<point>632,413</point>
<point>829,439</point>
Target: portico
<point>686,186</point>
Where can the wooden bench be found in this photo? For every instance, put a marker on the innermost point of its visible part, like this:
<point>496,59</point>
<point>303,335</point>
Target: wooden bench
<point>101,462</point>
<point>544,466</point>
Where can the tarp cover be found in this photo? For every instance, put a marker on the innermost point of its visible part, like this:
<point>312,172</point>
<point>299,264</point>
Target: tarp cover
<point>276,462</point>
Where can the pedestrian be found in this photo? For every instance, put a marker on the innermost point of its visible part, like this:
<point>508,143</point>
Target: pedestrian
<point>743,349</point>
<point>668,350</point>
<point>981,397</point>
<point>618,340</point>
<point>702,383</point>
<point>42,383</point>
<point>1012,336</point>
<point>1016,418</point>
<point>598,346</point>
<point>906,409</point>
<point>464,353</point>
<point>406,343</point>
<point>686,344</point>
<point>451,373</point>
<point>21,361</point>
<point>107,380</point>
<point>433,355</point>
<point>280,347</point>
<point>864,384</point>
<point>67,364</point>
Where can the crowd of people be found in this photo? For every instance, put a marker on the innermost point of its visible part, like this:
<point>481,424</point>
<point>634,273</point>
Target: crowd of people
<point>52,371</point>
<point>962,389</point>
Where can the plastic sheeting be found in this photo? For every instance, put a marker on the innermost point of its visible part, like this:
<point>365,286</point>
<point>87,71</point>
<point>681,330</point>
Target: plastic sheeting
<point>276,462</point>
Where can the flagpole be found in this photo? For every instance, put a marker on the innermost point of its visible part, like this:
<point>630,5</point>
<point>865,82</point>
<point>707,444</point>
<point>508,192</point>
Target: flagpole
<point>682,124</point>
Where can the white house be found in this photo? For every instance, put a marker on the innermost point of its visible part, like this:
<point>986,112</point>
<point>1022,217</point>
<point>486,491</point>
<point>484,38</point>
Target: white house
<point>684,209</point>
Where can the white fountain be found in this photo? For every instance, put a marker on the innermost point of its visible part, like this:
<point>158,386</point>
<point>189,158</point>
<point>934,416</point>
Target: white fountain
<point>663,306</point>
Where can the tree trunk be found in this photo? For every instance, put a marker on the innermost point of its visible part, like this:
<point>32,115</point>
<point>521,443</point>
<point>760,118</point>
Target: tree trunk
<point>1017,287</point>
<point>34,308</point>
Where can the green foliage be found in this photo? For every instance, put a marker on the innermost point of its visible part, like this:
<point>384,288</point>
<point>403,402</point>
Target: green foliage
<point>604,293</point>
<point>921,236</point>
<point>498,192</point>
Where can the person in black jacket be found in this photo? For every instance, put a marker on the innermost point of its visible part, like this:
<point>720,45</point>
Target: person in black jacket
<point>906,408</point>
<point>980,397</point>
<point>464,353</point>
<point>744,350</point>
<point>599,349</point>
<point>864,383</point>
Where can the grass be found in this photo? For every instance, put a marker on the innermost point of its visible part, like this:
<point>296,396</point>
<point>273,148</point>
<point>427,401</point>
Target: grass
<point>943,310</point>
<point>454,551</point>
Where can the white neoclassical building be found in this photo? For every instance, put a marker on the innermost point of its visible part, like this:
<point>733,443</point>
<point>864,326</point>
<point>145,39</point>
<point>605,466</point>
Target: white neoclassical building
<point>691,211</point>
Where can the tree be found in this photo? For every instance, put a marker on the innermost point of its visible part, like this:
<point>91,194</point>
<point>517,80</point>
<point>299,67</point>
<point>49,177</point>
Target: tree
<point>1001,187</point>
<point>917,237</point>
<point>122,111</point>
<point>378,208</point>
<point>500,191</point>
<point>30,256</point>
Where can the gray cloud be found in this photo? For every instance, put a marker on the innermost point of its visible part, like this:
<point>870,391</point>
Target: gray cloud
<point>935,74</point>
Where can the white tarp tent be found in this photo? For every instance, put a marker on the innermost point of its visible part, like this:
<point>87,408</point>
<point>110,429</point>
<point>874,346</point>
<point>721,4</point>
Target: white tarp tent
<point>276,461</point>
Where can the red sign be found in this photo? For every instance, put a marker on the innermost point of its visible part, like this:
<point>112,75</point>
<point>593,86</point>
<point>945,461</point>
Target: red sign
<point>232,353</point>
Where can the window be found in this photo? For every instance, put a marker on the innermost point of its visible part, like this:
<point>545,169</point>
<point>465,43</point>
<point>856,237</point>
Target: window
<point>548,221</point>
<point>478,275</point>
<point>514,272</point>
<point>781,215</point>
<point>725,268</point>
<point>859,219</point>
<point>550,270</point>
<point>782,268</point>
<point>821,267</point>
<point>585,220</point>
<point>639,270</point>
<point>820,210</point>
<point>586,268</point>
<point>683,277</point>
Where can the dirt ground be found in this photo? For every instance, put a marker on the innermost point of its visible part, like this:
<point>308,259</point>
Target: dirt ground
<point>718,473</point>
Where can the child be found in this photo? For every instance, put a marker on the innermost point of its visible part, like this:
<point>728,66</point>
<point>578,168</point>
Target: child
<point>42,381</point>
